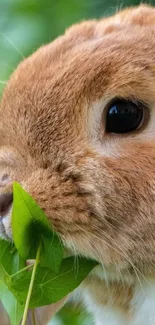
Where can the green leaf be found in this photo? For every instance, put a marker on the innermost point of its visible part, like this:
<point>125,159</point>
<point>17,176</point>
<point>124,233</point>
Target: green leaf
<point>51,252</point>
<point>49,286</point>
<point>5,258</point>
<point>13,308</point>
<point>51,277</point>
<point>30,226</point>
<point>10,261</point>
<point>28,222</point>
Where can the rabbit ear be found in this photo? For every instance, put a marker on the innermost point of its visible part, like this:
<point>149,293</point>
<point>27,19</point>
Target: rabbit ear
<point>142,15</point>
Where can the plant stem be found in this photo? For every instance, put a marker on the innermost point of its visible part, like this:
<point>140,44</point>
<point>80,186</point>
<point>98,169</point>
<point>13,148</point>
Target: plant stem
<point>24,269</point>
<point>31,286</point>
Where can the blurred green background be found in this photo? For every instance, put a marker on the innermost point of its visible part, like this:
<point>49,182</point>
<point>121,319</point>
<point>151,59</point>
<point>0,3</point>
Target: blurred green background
<point>24,26</point>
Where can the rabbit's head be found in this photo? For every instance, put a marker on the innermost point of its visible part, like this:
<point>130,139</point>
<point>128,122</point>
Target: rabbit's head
<point>77,130</point>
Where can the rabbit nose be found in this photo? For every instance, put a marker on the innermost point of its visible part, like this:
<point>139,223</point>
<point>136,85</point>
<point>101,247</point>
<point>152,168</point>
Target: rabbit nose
<point>5,202</point>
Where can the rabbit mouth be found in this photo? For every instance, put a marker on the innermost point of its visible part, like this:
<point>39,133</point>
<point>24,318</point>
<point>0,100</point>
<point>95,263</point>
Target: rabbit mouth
<point>5,225</point>
<point>3,232</point>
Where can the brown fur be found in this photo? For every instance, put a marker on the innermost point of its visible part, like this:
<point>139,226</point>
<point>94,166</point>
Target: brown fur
<point>103,206</point>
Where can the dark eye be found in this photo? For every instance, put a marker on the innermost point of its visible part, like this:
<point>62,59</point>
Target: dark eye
<point>123,116</point>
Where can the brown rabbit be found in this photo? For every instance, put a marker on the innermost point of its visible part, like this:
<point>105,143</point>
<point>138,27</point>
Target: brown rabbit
<point>77,130</point>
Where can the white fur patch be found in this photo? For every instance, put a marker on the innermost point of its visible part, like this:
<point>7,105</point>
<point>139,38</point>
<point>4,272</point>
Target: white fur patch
<point>144,304</point>
<point>109,316</point>
<point>142,308</point>
<point>106,315</point>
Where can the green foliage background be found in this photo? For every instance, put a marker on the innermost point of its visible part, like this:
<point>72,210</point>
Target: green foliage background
<point>27,24</point>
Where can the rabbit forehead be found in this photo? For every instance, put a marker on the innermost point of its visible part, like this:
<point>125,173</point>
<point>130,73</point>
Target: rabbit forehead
<point>93,59</point>
<point>89,69</point>
<point>58,92</point>
<point>51,92</point>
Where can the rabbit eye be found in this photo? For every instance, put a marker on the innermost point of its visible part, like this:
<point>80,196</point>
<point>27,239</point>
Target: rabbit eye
<point>123,116</point>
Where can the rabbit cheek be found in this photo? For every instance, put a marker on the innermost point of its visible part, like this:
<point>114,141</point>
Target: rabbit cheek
<point>129,198</point>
